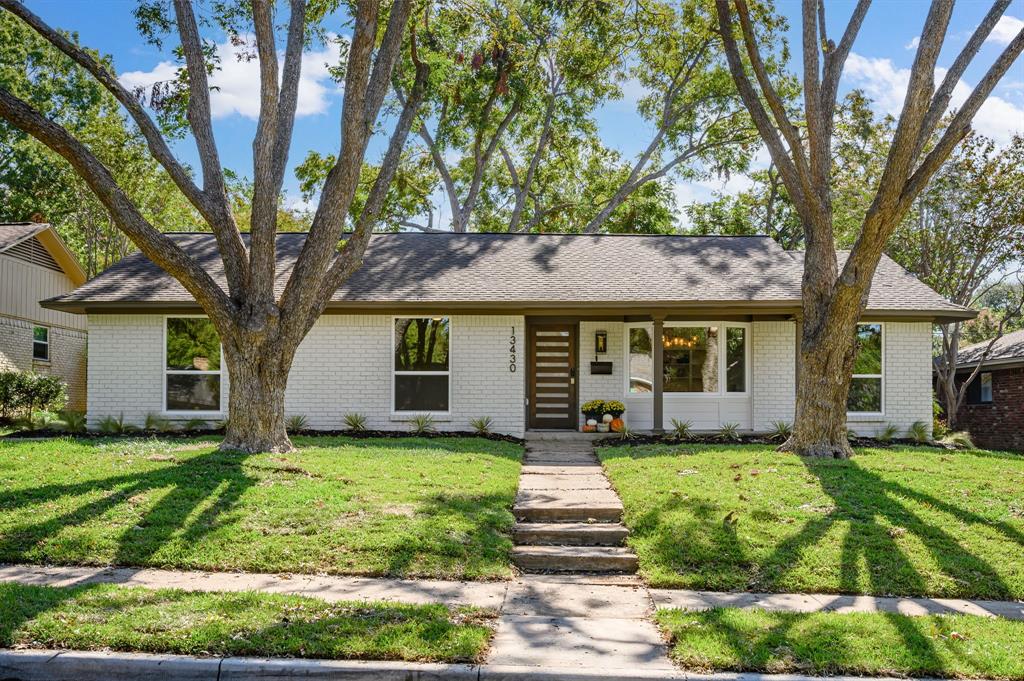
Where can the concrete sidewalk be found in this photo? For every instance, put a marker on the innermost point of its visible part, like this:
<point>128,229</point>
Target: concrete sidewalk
<point>542,595</point>
<point>549,626</point>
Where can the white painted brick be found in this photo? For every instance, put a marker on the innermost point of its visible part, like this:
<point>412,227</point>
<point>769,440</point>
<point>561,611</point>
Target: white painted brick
<point>773,372</point>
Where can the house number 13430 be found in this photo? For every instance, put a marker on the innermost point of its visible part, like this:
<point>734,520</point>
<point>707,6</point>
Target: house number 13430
<point>512,351</point>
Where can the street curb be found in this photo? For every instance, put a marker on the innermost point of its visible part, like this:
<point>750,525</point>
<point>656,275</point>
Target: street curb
<point>73,665</point>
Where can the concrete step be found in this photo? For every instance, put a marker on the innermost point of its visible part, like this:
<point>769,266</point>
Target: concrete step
<point>561,458</point>
<point>569,534</point>
<point>595,481</point>
<point>556,469</point>
<point>561,514</point>
<point>574,559</point>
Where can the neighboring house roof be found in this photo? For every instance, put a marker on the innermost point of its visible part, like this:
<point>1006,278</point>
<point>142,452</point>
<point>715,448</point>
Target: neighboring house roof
<point>531,271</point>
<point>13,234</point>
<point>1008,349</point>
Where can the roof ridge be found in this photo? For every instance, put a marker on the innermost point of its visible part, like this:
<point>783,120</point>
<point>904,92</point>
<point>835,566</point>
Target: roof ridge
<point>507,234</point>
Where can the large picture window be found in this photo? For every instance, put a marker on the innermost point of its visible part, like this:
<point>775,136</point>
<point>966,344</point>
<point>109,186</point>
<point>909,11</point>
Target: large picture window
<point>696,358</point>
<point>422,374</point>
<point>866,387</point>
<point>192,365</point>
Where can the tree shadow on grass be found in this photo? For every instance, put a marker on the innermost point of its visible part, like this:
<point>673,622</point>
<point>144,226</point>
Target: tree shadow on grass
<point>461,533</point>
<point>879,517</point>
<point>214,479</point>
<point>823,647</point>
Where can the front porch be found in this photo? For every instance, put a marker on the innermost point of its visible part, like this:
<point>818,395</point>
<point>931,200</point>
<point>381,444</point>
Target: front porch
<point>710,372</point>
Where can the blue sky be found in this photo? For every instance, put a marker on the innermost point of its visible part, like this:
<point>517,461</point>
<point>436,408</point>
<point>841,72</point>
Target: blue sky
<point>879,64</point>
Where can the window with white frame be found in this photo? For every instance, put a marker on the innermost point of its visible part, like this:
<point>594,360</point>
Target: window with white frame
<point>705,358</point>
<point>192,365</point>
<point>865,395</point>
<point>41,343</point>
<point>422,376</point>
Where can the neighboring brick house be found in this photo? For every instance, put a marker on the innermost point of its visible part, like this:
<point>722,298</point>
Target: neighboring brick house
<point>522,328</point>
<point>993,411</point>
<point>36,264</point>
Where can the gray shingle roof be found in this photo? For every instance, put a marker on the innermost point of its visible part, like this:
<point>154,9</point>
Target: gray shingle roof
<point>1007,349</point>
<point>531,270</point>
<point>15,232</point>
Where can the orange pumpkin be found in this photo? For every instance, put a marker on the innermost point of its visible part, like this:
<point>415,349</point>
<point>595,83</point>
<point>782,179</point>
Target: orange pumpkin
<point>589,429</point>
<point>617,424</point>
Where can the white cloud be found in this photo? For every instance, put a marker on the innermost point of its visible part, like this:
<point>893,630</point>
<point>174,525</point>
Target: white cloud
<point>886,85</point>
<point>1005,30</point>
<point>912,45</point>
<point>237,82</point>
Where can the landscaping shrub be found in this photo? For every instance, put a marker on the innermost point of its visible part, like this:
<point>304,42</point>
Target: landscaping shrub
<point>482,425</point>
<point>24,392</point>
<point>355,422</point>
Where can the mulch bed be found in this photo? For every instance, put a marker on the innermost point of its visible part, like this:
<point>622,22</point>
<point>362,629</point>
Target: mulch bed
<point>188,434</point>
<point>712,439</point>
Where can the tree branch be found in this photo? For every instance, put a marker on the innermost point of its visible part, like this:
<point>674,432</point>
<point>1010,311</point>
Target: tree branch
<point>151,133</point>
<point>770,135</point>
<point>942,96</point>
<point>222,222</point>
<point>156,246</point>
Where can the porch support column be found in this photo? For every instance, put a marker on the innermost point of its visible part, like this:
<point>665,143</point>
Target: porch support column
<point>658,356</point>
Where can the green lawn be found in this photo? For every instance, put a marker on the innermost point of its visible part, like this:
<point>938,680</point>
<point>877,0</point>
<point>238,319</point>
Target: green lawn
<point>190,623</point>
<point>872,644</point>
<point>903,521</point>
<point>406,506</point>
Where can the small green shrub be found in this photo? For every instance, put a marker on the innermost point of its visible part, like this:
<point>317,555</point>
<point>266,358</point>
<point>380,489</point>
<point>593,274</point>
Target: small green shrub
<point>729,432</point>
<point>958,440</point>
<point>195,424</point>
<point>295,423</point>
<point>681,430</point>
<point>223,424</point>
<point>918,432</point>
<point>887,433</point>
<point>156,422</point>
<point>71,421</point>
<point>109,425</point>
<point>851,434</point>
<point>626,433</point>
<point>421,424</point>
<point>482,425</point>
<point>355,422</point>
<point>781,431</point>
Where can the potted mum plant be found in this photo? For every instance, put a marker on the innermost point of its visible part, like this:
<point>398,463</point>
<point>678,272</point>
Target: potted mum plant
<point>615,410</point>
<point>592,412</point>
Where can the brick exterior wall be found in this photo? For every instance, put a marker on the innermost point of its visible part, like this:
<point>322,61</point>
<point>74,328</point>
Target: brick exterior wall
<point>343,365</point>
<point>907,379</point>
<point>601,386</point>
<point>1000,423</point>
<point>773,372</point>
<point>67,355</point>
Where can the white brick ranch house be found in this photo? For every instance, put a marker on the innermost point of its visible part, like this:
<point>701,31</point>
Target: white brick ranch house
<point>522,329</point>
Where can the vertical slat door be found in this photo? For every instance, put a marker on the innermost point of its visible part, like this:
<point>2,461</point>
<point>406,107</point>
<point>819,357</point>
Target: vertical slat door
<point>553,376</point>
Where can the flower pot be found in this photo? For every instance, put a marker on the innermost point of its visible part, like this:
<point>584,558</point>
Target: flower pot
<point>602,427</point>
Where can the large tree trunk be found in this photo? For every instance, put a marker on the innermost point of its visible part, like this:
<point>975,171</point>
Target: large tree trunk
<point>824,371</point>
<point>256,419</point>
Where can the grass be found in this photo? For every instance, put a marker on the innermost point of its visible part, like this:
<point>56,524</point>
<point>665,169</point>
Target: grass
<point>190,623</point>
<point>870,644</point>
<point>905,521</point>
<point>406,507</point>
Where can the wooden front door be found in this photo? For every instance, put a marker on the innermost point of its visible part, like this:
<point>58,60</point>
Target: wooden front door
<point>552,351</point>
